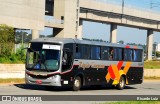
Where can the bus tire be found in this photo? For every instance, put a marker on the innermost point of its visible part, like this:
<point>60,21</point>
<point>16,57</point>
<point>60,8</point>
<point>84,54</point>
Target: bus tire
<point>121,84</point>
<point>77,83</point>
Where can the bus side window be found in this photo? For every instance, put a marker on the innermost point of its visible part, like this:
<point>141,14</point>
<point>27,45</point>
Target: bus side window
<point>137,55</point>
<point>78,54</point>
<point>67,59</point>
<point>104,53</point>
<point>111,52</point>
<point>86,51</point>
<point>95,52</point>
<point>82,51</point>
<point>128,55</point>
<point>117,54</point>
<point>125,55</point>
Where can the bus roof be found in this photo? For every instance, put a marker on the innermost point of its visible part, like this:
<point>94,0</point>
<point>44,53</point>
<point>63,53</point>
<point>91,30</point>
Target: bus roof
<point>79,41</point>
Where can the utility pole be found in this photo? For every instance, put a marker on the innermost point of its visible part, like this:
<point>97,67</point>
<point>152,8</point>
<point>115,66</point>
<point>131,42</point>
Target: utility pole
<point>122,6</point>
<point>122,10</point>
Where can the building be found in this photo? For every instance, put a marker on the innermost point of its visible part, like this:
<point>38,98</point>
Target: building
<point>65,17</point>
<point>34,15</point>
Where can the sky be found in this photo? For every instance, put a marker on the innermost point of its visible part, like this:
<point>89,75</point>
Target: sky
<point>127,34</point>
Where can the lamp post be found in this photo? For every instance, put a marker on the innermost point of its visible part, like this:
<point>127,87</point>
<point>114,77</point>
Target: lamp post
<point>122,6</point>
<point>122,10</point>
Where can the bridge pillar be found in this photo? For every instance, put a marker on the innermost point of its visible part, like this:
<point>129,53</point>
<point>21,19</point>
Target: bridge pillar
<point>149,46</point>
<point>35,34</point>
<point>113,33</point>
<point>80,28</point>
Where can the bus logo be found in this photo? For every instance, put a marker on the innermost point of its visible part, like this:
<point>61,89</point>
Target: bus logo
<point>115,72</point>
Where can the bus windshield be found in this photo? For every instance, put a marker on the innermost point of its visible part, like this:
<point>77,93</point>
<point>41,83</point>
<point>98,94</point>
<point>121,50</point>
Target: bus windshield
<point>43,57</point>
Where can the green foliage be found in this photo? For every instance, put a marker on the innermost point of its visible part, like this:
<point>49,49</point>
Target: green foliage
<point>6,41</point>
<point>158,54</point>
<point>152,64</point>
<point>18,57</point>
<point>22,35</point>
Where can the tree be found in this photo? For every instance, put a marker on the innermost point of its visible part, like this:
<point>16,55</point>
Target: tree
<point>26,37</point>
<point>121,42</point>
<point>6,40</point>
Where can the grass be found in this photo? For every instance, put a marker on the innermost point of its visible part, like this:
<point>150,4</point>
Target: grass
<point>134,102</point>
<point>12,80</point>
<point>152,78</point>
<point>152,65</point>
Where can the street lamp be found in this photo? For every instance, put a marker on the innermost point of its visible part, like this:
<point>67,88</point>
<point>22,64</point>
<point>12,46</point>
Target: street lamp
<point>122,9</point>
<point>122,6</point>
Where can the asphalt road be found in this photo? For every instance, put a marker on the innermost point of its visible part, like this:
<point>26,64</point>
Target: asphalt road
<point>149,87</point>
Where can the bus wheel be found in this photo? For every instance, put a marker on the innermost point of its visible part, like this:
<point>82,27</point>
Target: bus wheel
<point>121,84</point>
<point>77,84</point>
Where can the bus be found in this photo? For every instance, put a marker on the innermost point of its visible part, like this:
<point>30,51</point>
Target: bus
<point>76,63</point>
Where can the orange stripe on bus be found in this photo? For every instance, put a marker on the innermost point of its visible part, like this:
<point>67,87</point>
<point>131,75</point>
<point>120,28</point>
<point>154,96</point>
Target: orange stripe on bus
<point>119,65</point>
<point>116,72</point>
<point>126,68</point>
<point>108,77</point>
<point>111,72</point>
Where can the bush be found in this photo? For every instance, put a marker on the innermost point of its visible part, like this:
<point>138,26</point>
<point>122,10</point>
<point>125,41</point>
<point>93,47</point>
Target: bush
<point>6,40</point>
<point>18,57</point>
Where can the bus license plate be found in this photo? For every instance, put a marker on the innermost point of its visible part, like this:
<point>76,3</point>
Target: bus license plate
<point>38,81</point>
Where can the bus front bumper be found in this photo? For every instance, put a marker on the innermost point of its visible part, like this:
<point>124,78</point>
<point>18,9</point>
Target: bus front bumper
<point>51,81</point>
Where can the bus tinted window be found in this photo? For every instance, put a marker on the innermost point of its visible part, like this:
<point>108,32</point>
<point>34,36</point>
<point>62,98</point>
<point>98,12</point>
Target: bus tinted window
<point>95,52</point>
<point>128,55</point>
<point>77,55</point>
<point>86,51</point>
<point>82,51</point>
<point>137,55</point>
<point>104,53</point>
<point>69,46</point>
<point>111,53</point>
<point>117,54</point>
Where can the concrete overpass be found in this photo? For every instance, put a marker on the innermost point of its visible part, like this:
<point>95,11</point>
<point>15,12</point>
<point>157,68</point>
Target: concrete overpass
<point>117,15</point>
<point>67,17</point>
